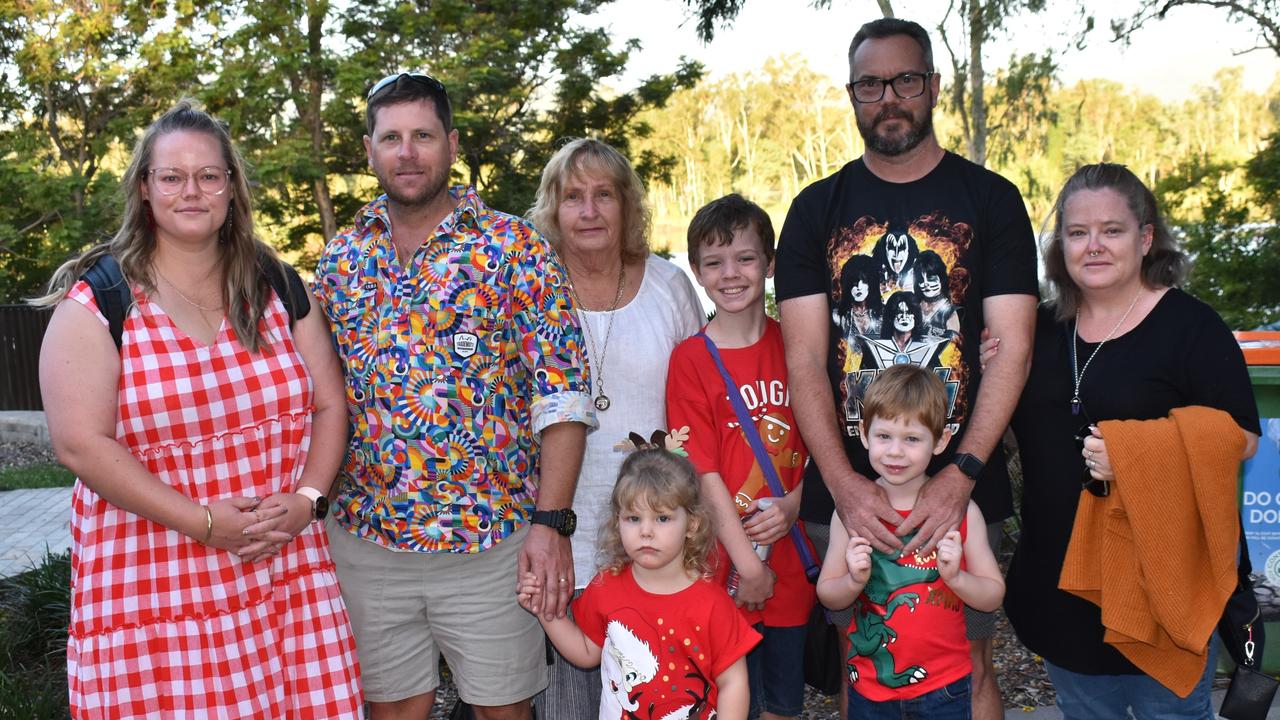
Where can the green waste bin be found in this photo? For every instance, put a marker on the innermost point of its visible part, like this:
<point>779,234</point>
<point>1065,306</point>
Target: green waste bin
<point>1260,485</point>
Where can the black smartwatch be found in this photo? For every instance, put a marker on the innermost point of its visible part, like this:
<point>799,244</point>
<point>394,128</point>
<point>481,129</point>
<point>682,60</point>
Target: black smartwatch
<point>319,503</point>
<point>970,465</point>
<point>563,521</point>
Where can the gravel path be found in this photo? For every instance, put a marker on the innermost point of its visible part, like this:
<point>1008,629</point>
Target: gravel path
<point>13,454</point>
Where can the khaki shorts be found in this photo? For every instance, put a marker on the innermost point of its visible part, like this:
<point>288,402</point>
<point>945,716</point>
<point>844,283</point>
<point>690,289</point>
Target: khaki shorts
<point>408,608</point>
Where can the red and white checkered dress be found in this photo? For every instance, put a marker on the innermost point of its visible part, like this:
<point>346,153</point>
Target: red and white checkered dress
<point>164,627</point>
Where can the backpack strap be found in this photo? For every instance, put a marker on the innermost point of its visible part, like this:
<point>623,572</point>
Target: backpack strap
<point>111,292</point>
<point>288,286</point>
<point>115,298</point>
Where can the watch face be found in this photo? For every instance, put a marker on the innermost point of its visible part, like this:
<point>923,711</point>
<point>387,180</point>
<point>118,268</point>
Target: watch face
<point>320,508</point>
<point>969,465</point>
<point>570,523</point>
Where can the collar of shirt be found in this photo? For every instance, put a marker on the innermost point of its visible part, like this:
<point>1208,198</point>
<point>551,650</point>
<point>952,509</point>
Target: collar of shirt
<point>469,208</point>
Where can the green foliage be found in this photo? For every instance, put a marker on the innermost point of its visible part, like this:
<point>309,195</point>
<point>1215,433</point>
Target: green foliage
<point>80,79</point>
<point>35,611</point>
<point>290,79</point>
<point>1235,261</point>
<point>41,475</point>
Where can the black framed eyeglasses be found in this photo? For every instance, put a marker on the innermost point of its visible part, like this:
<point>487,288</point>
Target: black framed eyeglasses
<point>906,85</point>
<point>1096,487</point>
<point>422,78</point>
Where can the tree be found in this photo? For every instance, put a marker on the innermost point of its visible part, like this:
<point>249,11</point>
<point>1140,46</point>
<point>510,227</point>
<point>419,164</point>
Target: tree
<point>274,77</point>
<point>82,79</point>
<point>1236,253</point>
<point>502,60</point>
<point>1264,14</point>
<point>1236,262</point>
<point>1026,83</point>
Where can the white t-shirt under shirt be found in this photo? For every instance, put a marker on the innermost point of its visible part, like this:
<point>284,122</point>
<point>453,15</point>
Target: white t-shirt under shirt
<point>645,330</point>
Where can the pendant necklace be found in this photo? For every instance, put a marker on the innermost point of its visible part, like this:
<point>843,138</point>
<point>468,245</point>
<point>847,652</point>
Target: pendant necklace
<point>1075,334</point>
<point>184,297</point>
<point>602,401</point>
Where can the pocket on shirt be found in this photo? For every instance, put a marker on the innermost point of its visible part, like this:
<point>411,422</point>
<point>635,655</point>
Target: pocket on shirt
<point>472,333</point>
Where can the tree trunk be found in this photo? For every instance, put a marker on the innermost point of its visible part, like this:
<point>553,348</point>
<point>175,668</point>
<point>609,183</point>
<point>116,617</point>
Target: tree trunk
<point>977,96</point>
<point>886,8</point>
<point>316,11</point>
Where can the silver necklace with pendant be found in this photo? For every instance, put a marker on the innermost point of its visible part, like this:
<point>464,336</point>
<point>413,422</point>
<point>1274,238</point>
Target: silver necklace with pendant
<point>602,401</point>
<point>1075,333</point>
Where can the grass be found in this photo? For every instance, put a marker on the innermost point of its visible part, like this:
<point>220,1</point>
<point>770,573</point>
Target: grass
<point>34,614</point>
<point>40,475</point>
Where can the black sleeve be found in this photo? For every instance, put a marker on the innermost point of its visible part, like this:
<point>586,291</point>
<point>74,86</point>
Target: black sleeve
<point>1217,375</point>
<point>801,262</point>
<point>1009,256</point>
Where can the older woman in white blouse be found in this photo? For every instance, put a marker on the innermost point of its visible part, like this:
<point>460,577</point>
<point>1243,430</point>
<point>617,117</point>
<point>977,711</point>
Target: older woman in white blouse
<point>634,307</point>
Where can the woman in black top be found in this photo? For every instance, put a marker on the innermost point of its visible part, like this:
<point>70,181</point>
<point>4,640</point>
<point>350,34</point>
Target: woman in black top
<point>1115,340</point>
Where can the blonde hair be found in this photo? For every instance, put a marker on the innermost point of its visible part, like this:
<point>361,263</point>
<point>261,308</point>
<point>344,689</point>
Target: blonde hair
<point>590,156</point>
<point>245,293</point>
<point>660,480</point>
<point>907,393</point>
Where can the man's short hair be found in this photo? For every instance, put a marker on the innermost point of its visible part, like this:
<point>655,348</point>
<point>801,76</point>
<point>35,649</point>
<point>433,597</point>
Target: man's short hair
<point>888,27</point>
<point>718,220</point>
<point>408,88</point>
<point>907,393</point>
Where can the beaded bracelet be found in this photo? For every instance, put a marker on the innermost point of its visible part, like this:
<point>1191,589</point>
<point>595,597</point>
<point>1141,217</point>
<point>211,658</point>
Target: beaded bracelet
<point>208,525</point>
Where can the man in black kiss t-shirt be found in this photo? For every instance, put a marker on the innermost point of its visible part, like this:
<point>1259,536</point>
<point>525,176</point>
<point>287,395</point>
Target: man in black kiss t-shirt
<point>905,255</point>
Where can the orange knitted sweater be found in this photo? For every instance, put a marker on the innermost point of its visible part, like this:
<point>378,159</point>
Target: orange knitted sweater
<point>1159,554</point>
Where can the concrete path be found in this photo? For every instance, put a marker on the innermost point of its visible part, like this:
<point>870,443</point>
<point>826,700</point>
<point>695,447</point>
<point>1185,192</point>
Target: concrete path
<point>30,521</point>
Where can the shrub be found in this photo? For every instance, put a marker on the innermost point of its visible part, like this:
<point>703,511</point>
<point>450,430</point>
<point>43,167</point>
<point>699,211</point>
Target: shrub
<point>35,610</point>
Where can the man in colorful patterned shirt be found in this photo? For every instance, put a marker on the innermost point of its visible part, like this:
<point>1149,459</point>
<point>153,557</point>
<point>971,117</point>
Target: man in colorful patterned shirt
<point>469,401</point>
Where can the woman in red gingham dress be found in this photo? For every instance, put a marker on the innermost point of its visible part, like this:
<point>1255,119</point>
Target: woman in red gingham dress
<point>201,586</point>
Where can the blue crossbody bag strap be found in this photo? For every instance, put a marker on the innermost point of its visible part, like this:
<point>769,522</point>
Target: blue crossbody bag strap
<point>752,434</point>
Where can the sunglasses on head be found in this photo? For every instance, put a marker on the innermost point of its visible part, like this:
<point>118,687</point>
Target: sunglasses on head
<point>1096,487</point>
<point>422,78</point>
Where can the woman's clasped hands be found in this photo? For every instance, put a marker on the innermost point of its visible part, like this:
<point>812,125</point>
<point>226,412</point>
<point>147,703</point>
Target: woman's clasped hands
<point>257,528</point>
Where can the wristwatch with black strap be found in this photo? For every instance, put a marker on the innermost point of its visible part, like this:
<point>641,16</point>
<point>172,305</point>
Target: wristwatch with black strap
<point>970,465</point>
<point>563,521</point>
<point>319,503</point>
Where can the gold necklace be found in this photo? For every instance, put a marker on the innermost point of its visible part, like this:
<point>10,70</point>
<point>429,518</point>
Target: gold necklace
<point>183,295</point>
<point>1075,334</point>
<point>602,401</point>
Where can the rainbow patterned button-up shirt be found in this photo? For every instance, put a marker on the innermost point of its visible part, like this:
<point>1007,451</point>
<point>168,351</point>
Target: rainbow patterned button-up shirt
<point>454,364</point>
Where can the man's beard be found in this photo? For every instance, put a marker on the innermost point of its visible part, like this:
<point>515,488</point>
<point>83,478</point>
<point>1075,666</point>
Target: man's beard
<point>436,183</point>
<point>916,132</point>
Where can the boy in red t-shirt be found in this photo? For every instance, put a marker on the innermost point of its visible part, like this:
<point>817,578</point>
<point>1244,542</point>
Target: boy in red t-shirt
<point>731,246</point>
<point>908,655</point>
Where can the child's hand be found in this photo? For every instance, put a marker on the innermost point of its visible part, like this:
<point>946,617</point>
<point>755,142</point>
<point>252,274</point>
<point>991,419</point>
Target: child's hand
<point>527,590</point>
<point>950,551</point>
<point>772,523</point>
<point>858,556</point>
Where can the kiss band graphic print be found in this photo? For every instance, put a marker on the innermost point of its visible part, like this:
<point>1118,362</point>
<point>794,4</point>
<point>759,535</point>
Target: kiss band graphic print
<point>896,298</point>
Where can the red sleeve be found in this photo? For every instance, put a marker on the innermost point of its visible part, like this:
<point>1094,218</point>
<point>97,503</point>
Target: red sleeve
<point>588,609</point>
<point>731,637</point>
<point>689,397</point>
